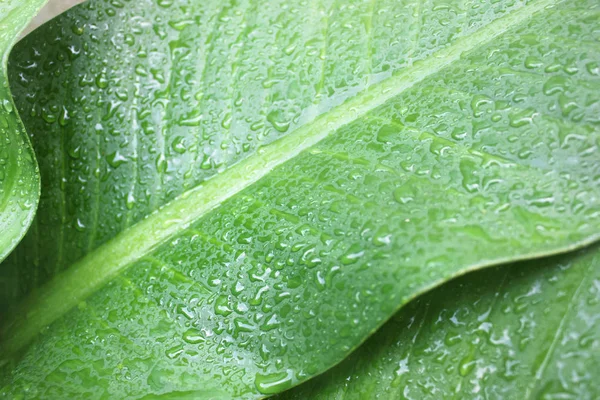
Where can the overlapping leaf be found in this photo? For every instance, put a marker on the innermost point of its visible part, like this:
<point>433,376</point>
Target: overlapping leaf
<point>358,155</point>
<point>526,331</point>
<point>19,176</point>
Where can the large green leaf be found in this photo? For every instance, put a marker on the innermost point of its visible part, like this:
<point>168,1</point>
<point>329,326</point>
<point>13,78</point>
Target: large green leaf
<point>528,331</point>
<point>358,155</point>
<point>19,176</point>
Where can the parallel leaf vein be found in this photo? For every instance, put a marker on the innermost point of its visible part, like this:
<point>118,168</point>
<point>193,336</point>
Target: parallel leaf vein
<point>557,335</point>
<point>100,266</point>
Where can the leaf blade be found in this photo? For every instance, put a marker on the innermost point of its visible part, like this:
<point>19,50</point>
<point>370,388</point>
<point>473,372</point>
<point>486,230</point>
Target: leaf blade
<point>350,208</point>
<point>525,330</point>
<point>19,176</point>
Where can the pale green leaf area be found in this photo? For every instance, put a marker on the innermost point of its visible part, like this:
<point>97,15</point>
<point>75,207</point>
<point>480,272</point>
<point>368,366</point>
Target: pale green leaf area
<point>525,331</point>
<point>19,176</point>
<point>238,194</point>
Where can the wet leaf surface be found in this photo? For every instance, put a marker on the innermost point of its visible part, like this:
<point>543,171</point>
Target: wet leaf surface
<point>19,176</point>
<point>238,195</point>
<point>526,331</point>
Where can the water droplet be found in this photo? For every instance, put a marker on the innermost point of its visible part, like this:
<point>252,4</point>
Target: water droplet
<point>278,122</point>
<point>178,146</point>
<point>404,194</point>
<point>77,29</point>
<point>352,255</point>
<point>161,163</point>
<point>387,133</point>
<point>193,336</point>
<point>274,383</point>
<point>101,81</point>
<point>479,104</point>
<point>79,225</point>
<point>226,122</point>
<point>521,118</point>
<point>533,62</point>
<point>466,365</point>
<point>7,105</point>
<point>222,306</point>
<point>130,200</point>
<point>74,152</point>
<point>556,84</point>
<point>468,169</point>
<point>116,159</point>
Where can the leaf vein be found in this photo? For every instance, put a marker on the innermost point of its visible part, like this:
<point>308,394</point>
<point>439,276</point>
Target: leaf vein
<point>557,335</point>
<point>98,267</point>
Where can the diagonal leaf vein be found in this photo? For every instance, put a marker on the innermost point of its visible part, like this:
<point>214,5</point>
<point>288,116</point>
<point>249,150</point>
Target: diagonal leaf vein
<point>105,263</point>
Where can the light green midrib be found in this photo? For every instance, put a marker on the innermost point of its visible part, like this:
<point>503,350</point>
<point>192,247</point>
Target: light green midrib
<point>98,267</point>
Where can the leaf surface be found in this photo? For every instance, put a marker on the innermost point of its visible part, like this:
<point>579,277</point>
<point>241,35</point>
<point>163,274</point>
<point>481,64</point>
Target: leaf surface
<point>249,191</point>
<point>527,331</point>
<point>19,176</point>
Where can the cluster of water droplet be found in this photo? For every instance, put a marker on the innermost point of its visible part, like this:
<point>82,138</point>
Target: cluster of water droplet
<point>19,186</point>
<point>487,158</point>
<point>525,329</point>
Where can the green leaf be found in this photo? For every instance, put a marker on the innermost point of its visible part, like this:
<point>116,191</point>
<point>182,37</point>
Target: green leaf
<point>238,195</point>
<point>527,331</point>
<point>19,176</point>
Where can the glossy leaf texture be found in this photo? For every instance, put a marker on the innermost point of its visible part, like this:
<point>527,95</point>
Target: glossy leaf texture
<point>526,331</point>
<point>19,175</point>
<point>239,194</point>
